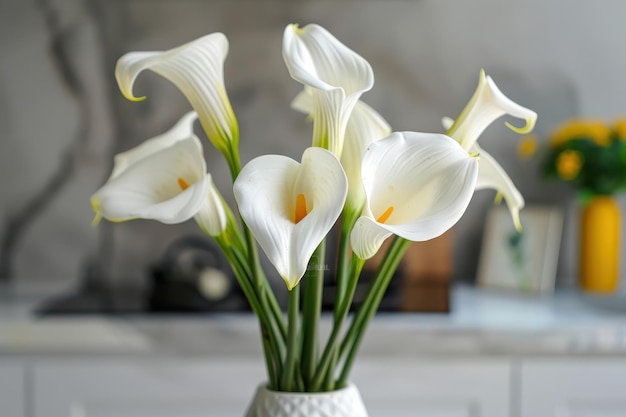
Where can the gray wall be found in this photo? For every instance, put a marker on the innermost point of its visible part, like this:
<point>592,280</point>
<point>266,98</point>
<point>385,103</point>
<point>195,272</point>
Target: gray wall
<point>561,58</point>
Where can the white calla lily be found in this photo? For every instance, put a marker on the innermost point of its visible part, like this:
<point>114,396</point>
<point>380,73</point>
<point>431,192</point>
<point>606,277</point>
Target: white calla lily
<point>197,69</point>
<point>211,217</point>
<point>365,126</point>
<point>336,75</point>
<point>486,105</point>
<point>290,207</point>
<point>169,185</point>
<point>418,185</point>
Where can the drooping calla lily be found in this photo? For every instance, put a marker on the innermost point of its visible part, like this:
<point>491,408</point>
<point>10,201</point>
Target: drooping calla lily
<point>164,179</point>
<point>196,68</point>
<point>290,207</point>
<point>486,105</point>
<point>417,186</point>
<point>364,127</point>
<point>336,75</point>
<point>491,175</point>
<point>211,217</point>
<point>170,185</point>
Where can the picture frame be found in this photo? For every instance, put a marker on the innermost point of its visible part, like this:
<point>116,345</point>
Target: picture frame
<point>523,261</point>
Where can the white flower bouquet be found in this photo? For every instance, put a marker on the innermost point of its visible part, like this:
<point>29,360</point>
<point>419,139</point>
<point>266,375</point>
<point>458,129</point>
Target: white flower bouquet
<point>375,182</point>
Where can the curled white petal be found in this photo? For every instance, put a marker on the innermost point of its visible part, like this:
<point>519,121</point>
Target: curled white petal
<point>486,105</point>
<point>336,74</point>
<point>367,237</point>
<point>266,191</point>
<point>169,185</point>
<point>212,217</point>
<point>417,185</point>
<point>183,129</point>
<point>196,68</point>
<point>492,175</point>
<point>316,58</point>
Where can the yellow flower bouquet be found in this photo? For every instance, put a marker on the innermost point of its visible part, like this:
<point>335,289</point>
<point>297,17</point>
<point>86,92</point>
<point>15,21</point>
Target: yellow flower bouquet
<point>589,154</point>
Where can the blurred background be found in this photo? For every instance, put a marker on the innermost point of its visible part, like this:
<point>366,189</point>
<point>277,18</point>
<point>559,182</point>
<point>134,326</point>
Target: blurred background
<point>63,118</point>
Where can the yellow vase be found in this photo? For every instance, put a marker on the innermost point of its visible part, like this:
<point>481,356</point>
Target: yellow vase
<point>600,237</point>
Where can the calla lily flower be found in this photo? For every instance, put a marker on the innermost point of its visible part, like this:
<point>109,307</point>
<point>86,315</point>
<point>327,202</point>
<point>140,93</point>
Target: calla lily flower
<point>486,105</point>
<point>169,185</point>
<point>290,207</point>
<point>336,75</point>
<point>196,68</point>
<point>211,217</point>
<point>365,126</point>
<point>418,185</point>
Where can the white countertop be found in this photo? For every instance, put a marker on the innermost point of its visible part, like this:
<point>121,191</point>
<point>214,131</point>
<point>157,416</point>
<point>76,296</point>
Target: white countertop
<point>481,323</point>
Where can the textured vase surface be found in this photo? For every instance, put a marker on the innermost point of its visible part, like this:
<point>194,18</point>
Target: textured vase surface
<point>345,402</point>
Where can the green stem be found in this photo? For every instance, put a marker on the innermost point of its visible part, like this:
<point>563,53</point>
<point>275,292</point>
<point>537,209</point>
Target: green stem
<point>356,265</point>
<point>271,348</point>
<point>258,279</point>
<point>311,310</point>
<point>343,265</point>
<point>237,259</point>
<point>253,257</point>
<point>370,305</point>
<point>343,269</point>
<point>328,383</point>
<point>277,313</point>
<point>258,285</point>
<point>234,161</point>
<point>263,294</point>
<point>270,361</point>
<point>293,310</point>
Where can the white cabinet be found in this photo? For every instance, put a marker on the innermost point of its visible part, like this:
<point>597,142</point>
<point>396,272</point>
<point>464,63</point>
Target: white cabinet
<point>434,388</point>
<point>573,387</point>
<point>11,389</point>
<point>390,387</point>
<point>223,388</point>
<point>148,388</point>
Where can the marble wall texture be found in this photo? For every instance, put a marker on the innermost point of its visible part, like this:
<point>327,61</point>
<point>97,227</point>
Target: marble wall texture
<point>562,58</point>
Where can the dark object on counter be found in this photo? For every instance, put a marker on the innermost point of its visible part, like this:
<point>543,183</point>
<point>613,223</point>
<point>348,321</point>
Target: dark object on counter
<point>193,276</point>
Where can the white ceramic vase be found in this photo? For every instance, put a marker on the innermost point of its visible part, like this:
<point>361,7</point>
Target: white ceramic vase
<point>345,402</point>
